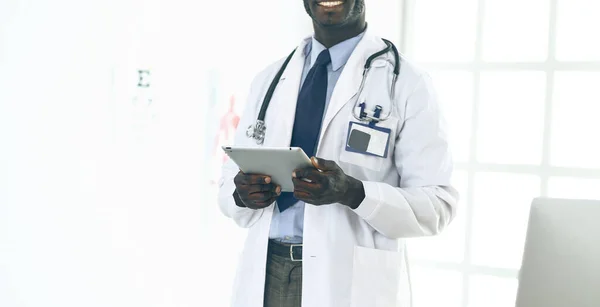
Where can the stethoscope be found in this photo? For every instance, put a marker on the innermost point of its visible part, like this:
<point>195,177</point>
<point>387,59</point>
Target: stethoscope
<point>257,131</point>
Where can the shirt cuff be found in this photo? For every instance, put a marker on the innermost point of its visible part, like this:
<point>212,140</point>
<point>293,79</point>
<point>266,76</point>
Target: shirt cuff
<point>372,200</point>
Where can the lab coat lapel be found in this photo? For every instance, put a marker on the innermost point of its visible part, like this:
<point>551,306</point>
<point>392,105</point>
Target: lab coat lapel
<point>347,86</point>
<point>282,110</point>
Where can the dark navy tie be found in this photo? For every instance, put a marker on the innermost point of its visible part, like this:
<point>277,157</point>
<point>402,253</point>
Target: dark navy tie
<point>309,116</point>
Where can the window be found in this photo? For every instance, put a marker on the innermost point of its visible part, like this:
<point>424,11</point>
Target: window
<point>518,83</point>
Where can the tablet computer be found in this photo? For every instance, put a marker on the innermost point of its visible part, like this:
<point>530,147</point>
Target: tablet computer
<point>277,162</point>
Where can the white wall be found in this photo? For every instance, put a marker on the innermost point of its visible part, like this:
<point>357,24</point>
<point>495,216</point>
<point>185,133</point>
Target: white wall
<point>103,202</point>
<point>56,243</point>
<point>93,211</point>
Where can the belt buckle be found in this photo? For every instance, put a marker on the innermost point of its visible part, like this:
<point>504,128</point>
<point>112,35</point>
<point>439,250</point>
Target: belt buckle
<point>292,252</point>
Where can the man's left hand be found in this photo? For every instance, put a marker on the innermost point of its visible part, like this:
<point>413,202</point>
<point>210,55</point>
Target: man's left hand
<point>326,184</point>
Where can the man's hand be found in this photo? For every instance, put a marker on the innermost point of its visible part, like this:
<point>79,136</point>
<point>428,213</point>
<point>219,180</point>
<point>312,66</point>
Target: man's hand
<point>327,184</point>
<point>255,191</point>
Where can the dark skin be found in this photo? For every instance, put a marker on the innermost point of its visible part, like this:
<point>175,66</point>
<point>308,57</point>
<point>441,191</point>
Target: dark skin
<point>254,191</point>
<point>325,183</point>
<point>335,25</point>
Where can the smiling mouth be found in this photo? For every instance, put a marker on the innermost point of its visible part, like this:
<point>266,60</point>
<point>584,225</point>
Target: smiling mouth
<point>330,4</point>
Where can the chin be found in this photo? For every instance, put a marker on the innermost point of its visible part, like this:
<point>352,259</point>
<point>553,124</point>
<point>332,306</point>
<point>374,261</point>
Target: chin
<point>332,24</point>
<point>332,20</point>
<point>337,16</point>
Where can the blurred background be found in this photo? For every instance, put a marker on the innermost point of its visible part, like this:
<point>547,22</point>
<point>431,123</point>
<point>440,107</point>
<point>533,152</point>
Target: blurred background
<point>112,114</point>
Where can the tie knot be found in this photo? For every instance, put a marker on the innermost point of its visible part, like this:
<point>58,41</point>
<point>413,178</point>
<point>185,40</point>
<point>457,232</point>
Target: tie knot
<point>324,58</point>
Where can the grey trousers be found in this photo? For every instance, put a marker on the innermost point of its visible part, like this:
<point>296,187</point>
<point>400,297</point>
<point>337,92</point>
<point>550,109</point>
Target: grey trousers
<point>283,282</point>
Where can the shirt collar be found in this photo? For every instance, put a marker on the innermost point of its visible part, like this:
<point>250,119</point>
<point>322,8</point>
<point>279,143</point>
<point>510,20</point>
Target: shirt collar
<point>339,53</point>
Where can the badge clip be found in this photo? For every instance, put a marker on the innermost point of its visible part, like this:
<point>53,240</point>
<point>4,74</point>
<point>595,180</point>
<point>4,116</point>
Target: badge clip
<point>376,114</point>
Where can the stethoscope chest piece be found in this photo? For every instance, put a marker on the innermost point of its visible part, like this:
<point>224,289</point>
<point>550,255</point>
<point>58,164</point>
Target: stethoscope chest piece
<point>257,132</point>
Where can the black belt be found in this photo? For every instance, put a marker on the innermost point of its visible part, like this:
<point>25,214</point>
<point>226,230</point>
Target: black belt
<point>292,252</point>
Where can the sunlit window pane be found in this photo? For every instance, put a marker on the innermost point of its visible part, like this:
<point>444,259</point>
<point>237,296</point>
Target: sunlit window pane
<point>445,30</point>
<point>575,120</point>
<point>455,91</point>
<point>383,17</point>
<point>447,286</point>
<point>449,246</point>
<point>490,291</point>
<point>577,30</point>
<point>501,212</point>
<point>511,118</point>
<point>574,188</point>
<point>516,30</point>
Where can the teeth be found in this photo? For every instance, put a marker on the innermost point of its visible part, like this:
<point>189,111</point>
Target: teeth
<point>331,3</point>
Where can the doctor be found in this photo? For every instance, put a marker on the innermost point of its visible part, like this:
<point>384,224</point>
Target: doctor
<point>337,241</point>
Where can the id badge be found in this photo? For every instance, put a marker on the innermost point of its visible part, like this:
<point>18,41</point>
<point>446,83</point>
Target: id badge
<point>368,140</point>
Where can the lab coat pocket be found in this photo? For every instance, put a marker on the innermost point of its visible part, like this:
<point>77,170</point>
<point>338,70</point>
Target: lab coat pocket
<point>375,277</point>
<point>361,160</point>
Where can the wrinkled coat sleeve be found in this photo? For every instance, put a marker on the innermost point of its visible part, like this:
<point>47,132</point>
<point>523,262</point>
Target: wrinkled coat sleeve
<point>424,203</point>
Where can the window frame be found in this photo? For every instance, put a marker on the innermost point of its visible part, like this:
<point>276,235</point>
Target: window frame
<point>545,170</point>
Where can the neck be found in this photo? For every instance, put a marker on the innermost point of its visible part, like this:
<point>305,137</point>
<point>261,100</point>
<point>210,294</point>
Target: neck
<point>331,36</point>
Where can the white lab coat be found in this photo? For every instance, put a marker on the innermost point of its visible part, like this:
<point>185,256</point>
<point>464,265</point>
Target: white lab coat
<point>352,257</point>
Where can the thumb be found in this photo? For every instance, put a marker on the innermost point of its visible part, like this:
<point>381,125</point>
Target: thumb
<point>324,165</point>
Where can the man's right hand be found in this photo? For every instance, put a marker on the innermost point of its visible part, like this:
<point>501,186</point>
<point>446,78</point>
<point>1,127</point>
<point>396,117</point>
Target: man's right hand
<point>255,191</point>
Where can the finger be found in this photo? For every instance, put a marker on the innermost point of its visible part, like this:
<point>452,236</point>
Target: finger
<point>261,196</point>
<point>309,192</point>
<point>273,188</point>
<point>324,165</point>
<point>301,184</point>
<point>262,205</point>
<point>268,201</point>
<point>314,189</point>
<point>304,196</point>
<point>257,188</point>
<point>312,197</point>
<point>309,187</point>
<point>244,179</point>
<point>308,173</point>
